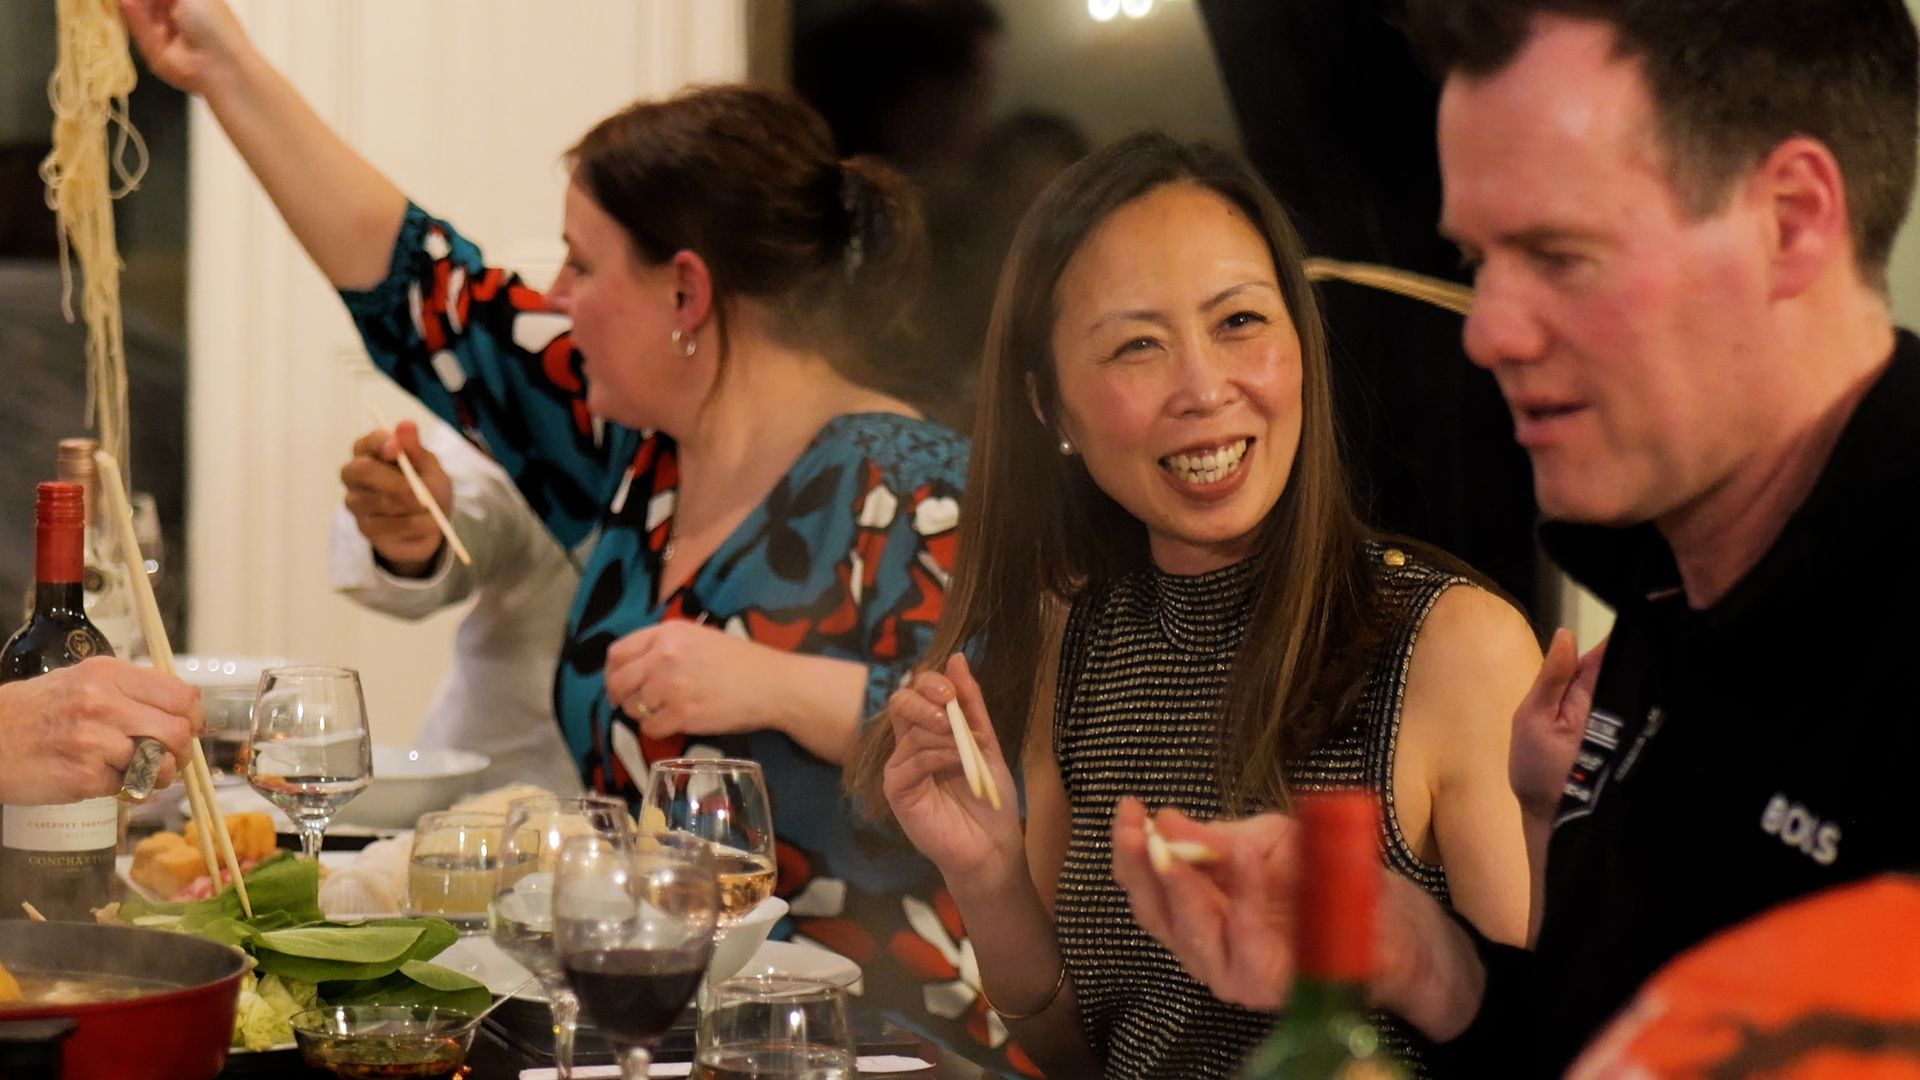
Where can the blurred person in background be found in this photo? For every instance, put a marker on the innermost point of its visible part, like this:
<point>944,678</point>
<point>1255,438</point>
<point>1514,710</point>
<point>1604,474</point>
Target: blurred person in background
<point>386,554</point>
<point>912,82</point>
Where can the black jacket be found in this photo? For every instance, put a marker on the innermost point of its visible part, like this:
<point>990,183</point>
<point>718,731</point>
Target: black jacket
<point>1736,756</point>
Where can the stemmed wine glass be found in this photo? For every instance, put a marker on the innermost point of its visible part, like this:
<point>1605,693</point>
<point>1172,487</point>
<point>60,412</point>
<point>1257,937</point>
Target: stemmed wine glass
<point>633,925</point>
<point>311,751</point>
<point>520,918</point>
<point>722,801</point>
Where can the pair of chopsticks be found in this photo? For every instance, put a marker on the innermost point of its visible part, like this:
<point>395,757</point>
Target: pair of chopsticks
<point>206,810</point>
<point>426,498</point>
<point>979,778</point>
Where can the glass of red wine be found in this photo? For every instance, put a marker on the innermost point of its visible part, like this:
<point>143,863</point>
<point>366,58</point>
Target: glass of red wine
<point>633,921</point>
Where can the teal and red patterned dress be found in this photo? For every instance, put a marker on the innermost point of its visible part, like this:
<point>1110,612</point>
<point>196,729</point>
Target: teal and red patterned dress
<point>847,558</point>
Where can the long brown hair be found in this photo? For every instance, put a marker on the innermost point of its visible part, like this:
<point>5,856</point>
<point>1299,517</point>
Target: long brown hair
<point>1035,529</point>
<point>747,178</point>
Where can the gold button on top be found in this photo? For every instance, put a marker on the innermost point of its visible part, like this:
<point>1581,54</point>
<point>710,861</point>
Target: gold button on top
<point>1394,557</point>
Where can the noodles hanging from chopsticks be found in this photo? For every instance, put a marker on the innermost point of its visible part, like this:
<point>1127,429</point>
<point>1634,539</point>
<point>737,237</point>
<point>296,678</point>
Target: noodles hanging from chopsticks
<point>1441,294</point>
<point>88,91</point>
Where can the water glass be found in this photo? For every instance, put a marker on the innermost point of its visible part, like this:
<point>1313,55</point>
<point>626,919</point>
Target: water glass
<point>774,1025</point>
<point>454,867</point>
<point>312,751</point>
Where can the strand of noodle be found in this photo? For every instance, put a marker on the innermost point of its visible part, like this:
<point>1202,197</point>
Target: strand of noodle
<point>92,77</point>
<point>1443,294</point>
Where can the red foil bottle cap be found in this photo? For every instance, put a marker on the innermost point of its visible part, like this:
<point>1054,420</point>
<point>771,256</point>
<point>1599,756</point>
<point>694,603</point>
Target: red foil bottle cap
<point>59,519</point>
<point>1339,884</point>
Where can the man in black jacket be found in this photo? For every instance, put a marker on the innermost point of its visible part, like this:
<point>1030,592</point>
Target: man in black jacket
<point>1681,214</point>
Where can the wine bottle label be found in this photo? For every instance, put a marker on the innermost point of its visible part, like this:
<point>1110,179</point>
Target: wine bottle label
<point>80,644</point>
<point>83,826</point>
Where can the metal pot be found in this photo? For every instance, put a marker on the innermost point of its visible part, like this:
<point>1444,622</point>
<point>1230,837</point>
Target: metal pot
<point>179,1032</point>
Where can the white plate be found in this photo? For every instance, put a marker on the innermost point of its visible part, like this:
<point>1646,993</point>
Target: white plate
<point>478,957</point>
<point>805,960</point>
<point>332,860</point>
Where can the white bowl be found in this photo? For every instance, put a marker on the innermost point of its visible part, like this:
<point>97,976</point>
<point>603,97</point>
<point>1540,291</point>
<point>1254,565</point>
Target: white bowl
<point>804,960</point>
<point>735,948</point>
<point>735,944</point>
<point>207,669</point>
<point>410,782</point>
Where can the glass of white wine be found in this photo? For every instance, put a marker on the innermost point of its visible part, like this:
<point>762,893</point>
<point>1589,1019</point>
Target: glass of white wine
<point>454,867</point>
<point>723,801</point>
<point>311,750</point>
<point>520,918</point>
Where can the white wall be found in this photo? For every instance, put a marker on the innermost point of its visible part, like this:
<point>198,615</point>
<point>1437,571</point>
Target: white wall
<point>468,104</point>
<point>1906,255</point>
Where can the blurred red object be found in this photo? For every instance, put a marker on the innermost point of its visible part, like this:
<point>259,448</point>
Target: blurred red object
<point>1824,988</point>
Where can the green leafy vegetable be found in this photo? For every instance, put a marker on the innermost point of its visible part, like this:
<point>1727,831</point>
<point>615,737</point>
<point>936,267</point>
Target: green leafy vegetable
<point>302,959</point>
<point>285,891</point>
<point>416,983</point>
<point>369,944</point>
<point>266,1004</point>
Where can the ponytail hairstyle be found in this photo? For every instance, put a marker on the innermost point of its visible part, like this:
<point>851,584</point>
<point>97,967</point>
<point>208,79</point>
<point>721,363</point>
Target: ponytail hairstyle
<point>747,178</point>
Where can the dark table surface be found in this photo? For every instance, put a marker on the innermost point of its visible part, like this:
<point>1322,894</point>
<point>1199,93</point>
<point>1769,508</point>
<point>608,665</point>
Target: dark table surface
<point>495,1056</point>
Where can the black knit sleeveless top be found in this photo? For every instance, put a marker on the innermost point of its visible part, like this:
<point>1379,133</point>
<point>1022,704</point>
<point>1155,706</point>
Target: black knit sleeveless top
<point>1144,668</point>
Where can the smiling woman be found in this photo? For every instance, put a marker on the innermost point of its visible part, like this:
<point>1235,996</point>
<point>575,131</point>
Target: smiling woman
<point>1214,628</point>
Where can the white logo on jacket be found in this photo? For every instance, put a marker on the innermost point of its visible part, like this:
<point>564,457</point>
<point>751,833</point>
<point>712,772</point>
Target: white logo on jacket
<point>1797,827</point>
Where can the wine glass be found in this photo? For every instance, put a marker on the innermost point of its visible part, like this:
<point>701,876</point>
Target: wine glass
<point>520,918</point>
<point>724,802</point>
<point>633,927</point>
<point>775,1025</point>
<point>225,736</point>
<point>311,751</point>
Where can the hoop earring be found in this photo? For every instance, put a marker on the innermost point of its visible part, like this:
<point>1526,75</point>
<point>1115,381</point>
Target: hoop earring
<point>685,344</point>
<point>1066,446</point>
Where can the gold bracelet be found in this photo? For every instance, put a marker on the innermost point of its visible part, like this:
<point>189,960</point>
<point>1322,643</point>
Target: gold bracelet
<point>1052,996</point>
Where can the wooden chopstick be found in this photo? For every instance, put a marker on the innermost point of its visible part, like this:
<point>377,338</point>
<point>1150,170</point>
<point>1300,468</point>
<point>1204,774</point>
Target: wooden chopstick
<point>974,763</point>
<point>1443,294</point>
<point>426,498</point>
<point>199,779</point>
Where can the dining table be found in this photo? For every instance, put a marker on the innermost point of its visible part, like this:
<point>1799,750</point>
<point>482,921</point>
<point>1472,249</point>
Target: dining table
<point>496,1056</point>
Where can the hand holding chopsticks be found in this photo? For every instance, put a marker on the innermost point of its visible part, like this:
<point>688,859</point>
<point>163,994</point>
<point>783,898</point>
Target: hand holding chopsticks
<point>420,492</point>
<point>199,781</point>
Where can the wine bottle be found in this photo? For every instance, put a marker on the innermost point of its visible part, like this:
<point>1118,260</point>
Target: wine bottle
<point>1327,1031</point>
<point>104,585</point>
<point>58,858</point>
